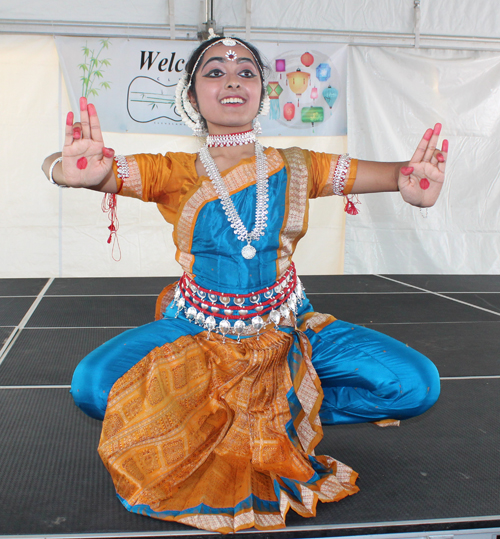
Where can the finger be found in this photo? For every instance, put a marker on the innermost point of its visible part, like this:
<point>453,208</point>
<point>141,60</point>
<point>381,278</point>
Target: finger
<point>406,171</point>
<point>84,117</point>
<point>432,143</point>
<point>437,157</point>
<point>95,127</point>
<point>107,154</point>
<point>77,130</point>
<point>68,131</point>
<point>422,147</point>
<point>107,158</point>
<point>442,156</point>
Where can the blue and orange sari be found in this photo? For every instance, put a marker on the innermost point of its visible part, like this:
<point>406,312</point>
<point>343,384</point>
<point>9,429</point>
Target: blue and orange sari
<point>218,434</point>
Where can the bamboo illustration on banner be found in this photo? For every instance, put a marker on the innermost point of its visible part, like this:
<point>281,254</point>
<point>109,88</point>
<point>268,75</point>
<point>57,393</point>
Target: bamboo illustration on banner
<point>93,69</point>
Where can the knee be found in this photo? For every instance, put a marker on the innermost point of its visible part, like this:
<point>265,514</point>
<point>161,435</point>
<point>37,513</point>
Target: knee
<point>86,394</point>
<point>426,388</point>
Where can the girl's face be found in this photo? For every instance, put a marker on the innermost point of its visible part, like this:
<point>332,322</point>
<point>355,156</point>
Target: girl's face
<point>228,89</point>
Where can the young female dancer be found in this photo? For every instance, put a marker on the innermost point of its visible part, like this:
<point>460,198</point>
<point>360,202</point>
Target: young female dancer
<point>212,412</point>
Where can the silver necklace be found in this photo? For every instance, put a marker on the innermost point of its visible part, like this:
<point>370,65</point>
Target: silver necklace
<point>233,139</point>
<point>233,217</point>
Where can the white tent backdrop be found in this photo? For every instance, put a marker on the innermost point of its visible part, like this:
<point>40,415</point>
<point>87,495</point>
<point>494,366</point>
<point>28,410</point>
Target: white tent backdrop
<point>394,94</point>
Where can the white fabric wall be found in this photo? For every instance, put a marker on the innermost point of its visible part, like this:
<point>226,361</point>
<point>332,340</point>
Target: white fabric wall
<point>394,95</point>
<point>46,231</point>
<point>439,17</point>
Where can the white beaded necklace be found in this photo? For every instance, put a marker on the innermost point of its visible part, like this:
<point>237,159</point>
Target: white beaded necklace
<point>233,139</point>
<point>233,217</point>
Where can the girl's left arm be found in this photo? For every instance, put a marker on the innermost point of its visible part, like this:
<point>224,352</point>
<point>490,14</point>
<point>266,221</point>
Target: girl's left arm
<point>419,180</point>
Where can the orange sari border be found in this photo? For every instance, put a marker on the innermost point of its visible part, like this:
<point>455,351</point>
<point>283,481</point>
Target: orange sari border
<point>297,206</point>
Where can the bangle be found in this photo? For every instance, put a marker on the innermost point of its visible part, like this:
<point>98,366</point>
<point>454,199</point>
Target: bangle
<point>51,170</point>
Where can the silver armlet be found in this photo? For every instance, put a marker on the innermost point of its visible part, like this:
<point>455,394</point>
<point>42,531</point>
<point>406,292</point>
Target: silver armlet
<point>340,174</point>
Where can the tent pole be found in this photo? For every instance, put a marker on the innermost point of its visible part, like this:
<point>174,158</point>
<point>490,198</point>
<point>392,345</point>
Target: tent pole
<point>417,23</point>
<point>171,18</point>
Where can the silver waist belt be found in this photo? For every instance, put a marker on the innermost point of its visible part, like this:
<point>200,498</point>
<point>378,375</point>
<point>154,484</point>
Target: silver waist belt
<point>239,314</point>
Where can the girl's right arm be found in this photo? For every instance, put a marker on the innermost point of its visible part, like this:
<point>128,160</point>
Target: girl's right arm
<point>86,162</point>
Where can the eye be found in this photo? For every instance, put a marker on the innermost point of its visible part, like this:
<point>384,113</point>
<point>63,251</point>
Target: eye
<point>248,74</point>
<point>214,73</point>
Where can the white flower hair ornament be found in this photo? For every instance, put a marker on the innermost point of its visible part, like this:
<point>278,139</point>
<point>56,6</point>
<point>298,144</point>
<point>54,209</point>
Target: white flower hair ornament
<point>189,115</point>
<point>265,105</point>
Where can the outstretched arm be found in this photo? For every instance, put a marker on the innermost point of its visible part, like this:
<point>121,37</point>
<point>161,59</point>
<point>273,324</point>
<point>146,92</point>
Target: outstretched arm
<point>419,180</point>
<point>86,162</point>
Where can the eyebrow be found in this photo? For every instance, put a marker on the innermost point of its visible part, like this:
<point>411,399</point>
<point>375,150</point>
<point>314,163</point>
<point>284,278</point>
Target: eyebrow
<point>225,60</point>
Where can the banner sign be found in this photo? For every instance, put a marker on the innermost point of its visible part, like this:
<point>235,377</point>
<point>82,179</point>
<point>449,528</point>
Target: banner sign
<point>132,84</point>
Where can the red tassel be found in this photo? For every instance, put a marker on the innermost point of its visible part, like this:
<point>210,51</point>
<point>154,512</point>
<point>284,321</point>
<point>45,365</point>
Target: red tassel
<point>109,206</point>
<point>350,205</point>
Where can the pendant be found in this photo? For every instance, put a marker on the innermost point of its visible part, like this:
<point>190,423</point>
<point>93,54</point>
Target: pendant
<point>248,251</point>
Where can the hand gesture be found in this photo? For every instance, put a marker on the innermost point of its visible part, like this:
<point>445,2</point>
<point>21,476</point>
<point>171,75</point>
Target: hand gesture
<point>86,161</point>
<point>421,181</point>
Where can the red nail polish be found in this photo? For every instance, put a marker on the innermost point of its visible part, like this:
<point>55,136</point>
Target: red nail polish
<point>82,163</point>
<point>406,171</point>
<point>440,157</point>
<point>437,129</point>
<point>108,152</point>
<point>424,184</point>
<point>69,118</point>
<point>445,145</point>
<point>83,103</point>
<point>91,110</point>
<point>76,134</point>
<point>428,134</point>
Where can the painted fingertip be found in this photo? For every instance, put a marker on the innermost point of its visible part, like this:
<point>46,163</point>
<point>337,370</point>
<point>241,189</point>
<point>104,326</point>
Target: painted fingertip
<point>406,171</point>
<point>91,109</point>
<point>108,152</point>
<point>83,103</point>
<point>428,134</point>
<point>77,134</point>
<point>424,184</point>
<point>437,129</point>
<point>69,118</point>
<point>440,157</point>
<point>445,145</point>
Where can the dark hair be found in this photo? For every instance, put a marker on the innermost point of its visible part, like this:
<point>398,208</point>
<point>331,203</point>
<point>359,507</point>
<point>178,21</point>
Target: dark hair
<point>195,60</point>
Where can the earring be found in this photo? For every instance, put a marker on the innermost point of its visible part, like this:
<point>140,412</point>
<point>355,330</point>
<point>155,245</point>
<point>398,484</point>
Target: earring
<point>257,128</point>
<point>199,129</point>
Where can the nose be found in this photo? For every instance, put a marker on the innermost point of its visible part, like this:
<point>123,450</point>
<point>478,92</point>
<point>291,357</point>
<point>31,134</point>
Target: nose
<point>232,83</point>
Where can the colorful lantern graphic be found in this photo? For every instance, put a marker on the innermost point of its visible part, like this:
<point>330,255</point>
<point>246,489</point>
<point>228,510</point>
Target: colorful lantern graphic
<point>323,72</point>
<point>289,111</point>
<point>313,115</point>
<point>273,91</point>
<point>314,93</point>
<point>280,67</point>
<point>298,82</point>
<point>307,59</point>
<point>330,94</point>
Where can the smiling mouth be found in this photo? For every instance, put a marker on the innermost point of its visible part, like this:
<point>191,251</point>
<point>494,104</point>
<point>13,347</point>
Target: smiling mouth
<point>232,101</point>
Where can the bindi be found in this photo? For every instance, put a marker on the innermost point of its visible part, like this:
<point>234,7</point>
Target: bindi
<point>82,163</point>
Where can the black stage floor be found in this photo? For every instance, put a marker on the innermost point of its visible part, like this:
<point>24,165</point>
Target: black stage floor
<point>439,472</point>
